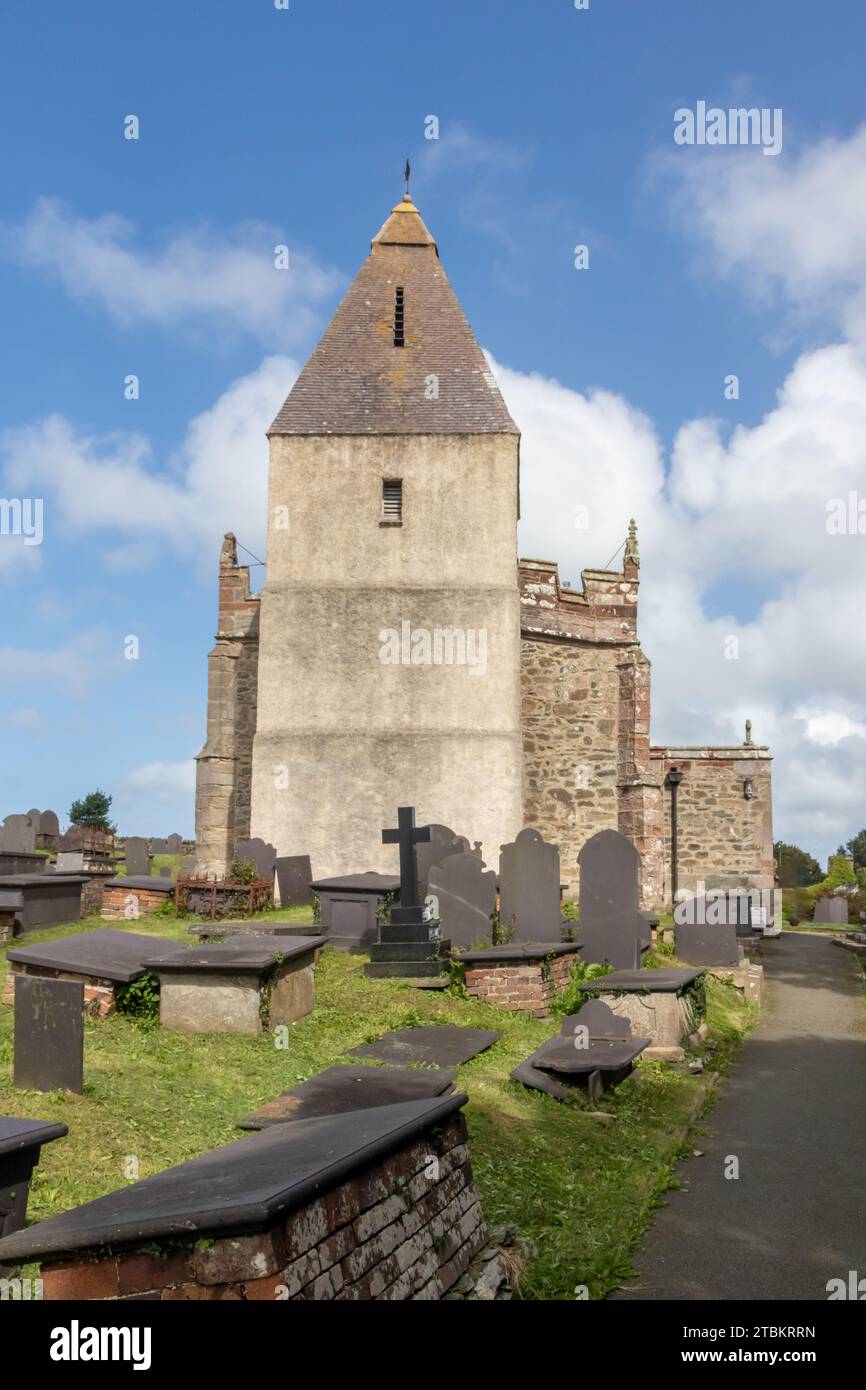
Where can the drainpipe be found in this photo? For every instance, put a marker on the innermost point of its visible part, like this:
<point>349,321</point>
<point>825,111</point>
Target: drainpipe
<point>673,780</point>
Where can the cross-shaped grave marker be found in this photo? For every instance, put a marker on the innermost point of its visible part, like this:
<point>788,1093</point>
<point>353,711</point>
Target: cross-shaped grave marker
<point>407,836</point>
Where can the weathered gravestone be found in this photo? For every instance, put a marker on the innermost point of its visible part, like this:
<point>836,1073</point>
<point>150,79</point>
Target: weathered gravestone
<point>49,830</point>
<point>137,857</point>
<point>833,910</point>
<point>294,876</point>
<point>158,847</point>
<point>529,897</point>
<point>18,835</point>
<point>409,944</point>
<point>69,861</point>
<point>465,898</point>
<point>49,1034</point>
<point>264,856</point>
<point>429,854</point>
<point>342,1088</point>
<point>165,871</point>
<point>174,844</point>
<point>705,935</point>
<point>20,1147</point>
<point>612,928</point>
<point>594,1048</point>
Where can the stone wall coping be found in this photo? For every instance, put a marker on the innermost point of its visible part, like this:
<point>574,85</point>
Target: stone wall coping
<point>243,1187</point>
<point>523,951</point>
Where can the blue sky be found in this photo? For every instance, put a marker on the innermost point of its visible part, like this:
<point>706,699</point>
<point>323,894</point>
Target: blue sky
<point>260,126</point>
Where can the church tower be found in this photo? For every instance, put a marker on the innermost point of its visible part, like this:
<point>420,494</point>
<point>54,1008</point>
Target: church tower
<point>389,643</point>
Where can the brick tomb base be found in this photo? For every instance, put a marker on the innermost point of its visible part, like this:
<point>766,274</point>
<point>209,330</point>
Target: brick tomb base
<point>379,1204</point>
<point>125,899</point>
<point>519,978</point>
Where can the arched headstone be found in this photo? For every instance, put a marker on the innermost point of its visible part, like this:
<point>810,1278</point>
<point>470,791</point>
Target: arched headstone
<point>529,889</point>
<point>466,898</point>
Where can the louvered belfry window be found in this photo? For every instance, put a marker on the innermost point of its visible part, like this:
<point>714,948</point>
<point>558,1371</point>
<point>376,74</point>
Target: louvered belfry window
<point>392,499</point>
<point>399,317</point>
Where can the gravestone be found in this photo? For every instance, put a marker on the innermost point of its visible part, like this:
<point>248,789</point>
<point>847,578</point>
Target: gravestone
<point>294,877</point>
<point>158,847</point>
<point>701,939</point>
<point>165,871</point>
<point>466,898</point>
<point>594,1048</point>
<point>345,1088</point>
<point>264,856</point>
<point>174,844</point>
<point>612,928</point>
<point>137,857</point>
<point>409,944</point>
<point>529,897</point>
<point>833,910</point>
<point>431,853</point>
<point>439,1045</point>
<point>49,1034</point>
<point>35,817</point>
<point>49,831</point>
<point>69,861</point>
<point>18,835</point>
<point>349,908</point>
<point>20,1147</point>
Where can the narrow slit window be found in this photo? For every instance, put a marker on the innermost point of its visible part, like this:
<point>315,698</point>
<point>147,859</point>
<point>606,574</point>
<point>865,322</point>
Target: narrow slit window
<point>399,317</point>
<point>392,499</point>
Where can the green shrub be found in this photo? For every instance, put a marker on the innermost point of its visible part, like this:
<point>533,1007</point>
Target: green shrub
<point>139,1000</point>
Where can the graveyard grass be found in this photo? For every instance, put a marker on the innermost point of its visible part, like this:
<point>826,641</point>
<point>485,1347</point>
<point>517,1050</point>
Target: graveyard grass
<point>577,1189</point>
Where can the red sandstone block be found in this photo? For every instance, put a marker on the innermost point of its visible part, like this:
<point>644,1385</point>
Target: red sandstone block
<point>341,1206</point>
<point>301,1272</point>
<point>83,1279</point>
<point>336,1247</point>
<point>269,1290</point>
<point>240,1257</point>
<point>370,1222</point>
<point>138,1272</point>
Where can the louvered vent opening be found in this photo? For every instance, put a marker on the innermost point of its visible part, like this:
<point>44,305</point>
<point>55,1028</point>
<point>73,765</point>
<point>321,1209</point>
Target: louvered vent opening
<point>392,499</point>
<point>399,318</point>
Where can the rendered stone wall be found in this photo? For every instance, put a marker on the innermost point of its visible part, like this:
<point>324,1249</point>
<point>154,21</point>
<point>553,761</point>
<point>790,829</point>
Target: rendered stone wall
<point>724,840</point>
<point>406,1228</point>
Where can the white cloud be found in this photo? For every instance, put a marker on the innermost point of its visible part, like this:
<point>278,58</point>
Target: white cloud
<point>216,482</point>
<point>196,275</point>
<point>157,799</point>
<point>72,669</point>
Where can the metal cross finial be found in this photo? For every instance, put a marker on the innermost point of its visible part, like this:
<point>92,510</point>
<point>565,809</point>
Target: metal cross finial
<point>407,174</point>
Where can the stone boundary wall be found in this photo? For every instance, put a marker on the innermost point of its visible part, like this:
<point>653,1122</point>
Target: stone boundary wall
<point>519,986</point>
<point>407,1227</point>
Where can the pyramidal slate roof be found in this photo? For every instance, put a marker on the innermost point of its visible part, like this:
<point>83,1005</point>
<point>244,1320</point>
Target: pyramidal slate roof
<point>358,382</point>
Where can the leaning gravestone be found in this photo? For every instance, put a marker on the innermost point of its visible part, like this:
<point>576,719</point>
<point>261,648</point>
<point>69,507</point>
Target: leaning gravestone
<point>466,898</point>
<point>612,928</point>
<point>49,1034</point>
<point>529,898</point>
<point>18,835</point>
<point>429,854</point>
<point>137,857</point>
<point>263,856</point>
<point>294,876</point>
<point>833,910</point>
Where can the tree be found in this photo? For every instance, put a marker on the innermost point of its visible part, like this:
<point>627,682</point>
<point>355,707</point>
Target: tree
<point>92,811</point>
<point>795,868</point>
<point>857,847</point>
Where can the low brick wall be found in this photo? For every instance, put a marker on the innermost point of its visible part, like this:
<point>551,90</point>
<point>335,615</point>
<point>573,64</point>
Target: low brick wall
<point>92,894</point>
<point>519,986</point>
<point>124,904</point>
<point>98,994</point>
<point>407,1227</point>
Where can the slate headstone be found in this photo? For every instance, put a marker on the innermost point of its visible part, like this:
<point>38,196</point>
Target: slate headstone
<point>36,818</point>
<point>158,846</point>
<point>174,844</point>
<point>137,857</point>
<point>430,853</point>
<point>612,928</point>
<point>69,861</point>
<point>49,828</point>
<point>294,876</point>
<point>442,1046</point>
<point>833,910</point>
<point>18,835</point>
<point>344,1088</point>
<point>49,1034</point>
<point>466,898</point>
<point>264,856</point>
<point>529,898</point>
<point>702,937</point>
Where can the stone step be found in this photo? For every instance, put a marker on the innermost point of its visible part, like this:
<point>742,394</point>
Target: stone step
<point>408,969</point>
<point>406,950</point>
<point>391,931</point>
